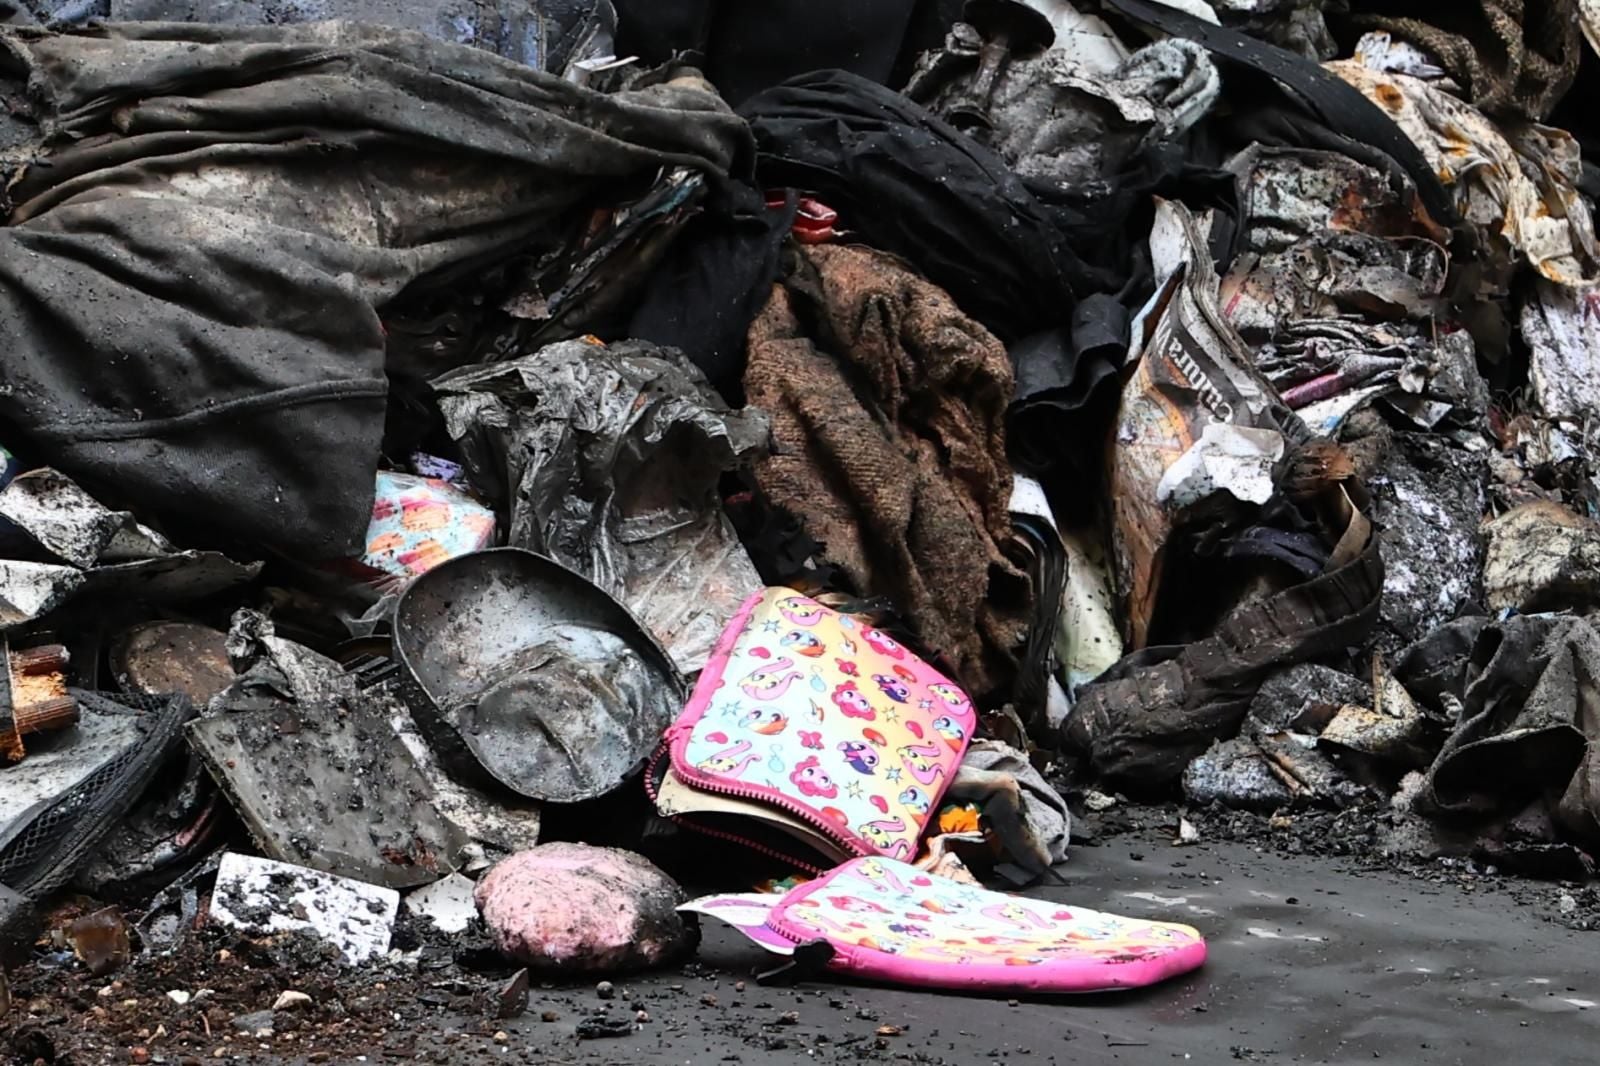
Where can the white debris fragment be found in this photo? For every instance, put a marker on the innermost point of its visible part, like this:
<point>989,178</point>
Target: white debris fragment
<point>263,896</point>
<point>1098,801</point>
<point>1227,458</point>
<point>291,1000</point>
<point>447,903</point>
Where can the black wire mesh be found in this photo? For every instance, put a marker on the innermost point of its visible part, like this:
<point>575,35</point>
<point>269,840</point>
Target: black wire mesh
<point>46,854</point>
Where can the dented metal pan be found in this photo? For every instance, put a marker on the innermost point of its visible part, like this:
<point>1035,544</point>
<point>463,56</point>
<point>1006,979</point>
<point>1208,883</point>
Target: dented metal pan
<point>523,673</point>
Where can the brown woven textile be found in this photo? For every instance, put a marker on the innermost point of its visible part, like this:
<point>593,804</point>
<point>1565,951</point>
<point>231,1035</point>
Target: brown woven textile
<point>888,414</point>
<point>1511,57</point>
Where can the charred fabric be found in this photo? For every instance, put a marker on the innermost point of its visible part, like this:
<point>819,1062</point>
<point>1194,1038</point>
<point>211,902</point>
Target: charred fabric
<point>546,450</point>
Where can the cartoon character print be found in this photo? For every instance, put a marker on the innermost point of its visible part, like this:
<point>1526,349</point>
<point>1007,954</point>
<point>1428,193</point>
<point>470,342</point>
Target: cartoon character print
<point>1166,932</point>
<point>420,513</point>
<point>769,723</point>
<point>889,945</point>
<point>861,757</point>
<point>936,905</point>
<point>882,835</point>
<point>953,698</point>
<point>944,954</point>
<point>914,932</point>
<point>812,780</point>
<point>801,610</point>
<point>920,761</point>
<point>880,876</point>
<point>802,643</point>
<point>729,762</point>
<point>893,687</point>
<point>856,905</point>
<point>884,906</point>
<point>1093,927</point>
<point>847,642</point>
<point>954,735</point>
<point>916,801</point>
<point>1014,914</point>
<point>769,682</point>
<point>852,703</point>
<point>883,643</point>
<point>793,676</point>
<point>810,912</point>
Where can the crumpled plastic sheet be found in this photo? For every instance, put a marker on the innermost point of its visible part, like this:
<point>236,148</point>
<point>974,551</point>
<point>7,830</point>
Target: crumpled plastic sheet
<point>1191,372</point>
<point>550,35</point>
<point>610,456</point>
<point>98,550</point>
<point>1517,182</point>
<point>1088,642</point>
<point>1058,121</point>
<point>1541,557</point>
<point>1561,326</point>
<point>1336,273</point>
<point>1337,287</point>
<point>1328,368</point>
<point>1427,501</point>
<point>585,285</point>
<point>1288,195</point>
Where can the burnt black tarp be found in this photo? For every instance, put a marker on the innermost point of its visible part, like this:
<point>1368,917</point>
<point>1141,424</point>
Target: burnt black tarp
<point>714,281</point>
<point>1324,113</point>
<point>207,222</point>
<point>539,33</point>
<point>911,184</point>
<point>1016,255</point>
<point>753,46</point>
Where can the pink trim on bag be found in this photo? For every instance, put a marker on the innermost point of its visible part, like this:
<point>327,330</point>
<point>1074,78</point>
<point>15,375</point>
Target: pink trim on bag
<point>1066,975</point>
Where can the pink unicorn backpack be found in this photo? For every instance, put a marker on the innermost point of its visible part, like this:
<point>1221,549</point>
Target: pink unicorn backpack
<point>813,736</point>
<point>887,921</point>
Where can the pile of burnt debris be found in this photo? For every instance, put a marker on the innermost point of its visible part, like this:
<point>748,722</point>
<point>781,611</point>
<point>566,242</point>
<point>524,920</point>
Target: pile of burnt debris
<point>492,467</point>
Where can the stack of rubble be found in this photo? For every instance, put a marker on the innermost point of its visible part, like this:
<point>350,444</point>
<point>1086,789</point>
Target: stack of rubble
<point>1206,390</point>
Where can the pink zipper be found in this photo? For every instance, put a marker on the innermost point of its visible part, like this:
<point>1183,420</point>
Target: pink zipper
<point>734,838</point>
<point>805,814</point>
